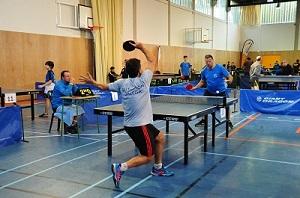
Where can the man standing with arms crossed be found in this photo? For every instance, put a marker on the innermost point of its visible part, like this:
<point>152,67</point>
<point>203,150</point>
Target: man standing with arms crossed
<point>138,116</point>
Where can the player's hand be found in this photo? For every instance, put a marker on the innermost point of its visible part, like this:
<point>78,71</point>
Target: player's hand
<point>193,88</point>
<point>87,79</point>
<point>138,45</point>
<point>72,80</point>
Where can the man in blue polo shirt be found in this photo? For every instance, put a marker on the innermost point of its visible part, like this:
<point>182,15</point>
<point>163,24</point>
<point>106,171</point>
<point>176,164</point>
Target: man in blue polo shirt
<point>66,87</point>
<point>215,77</point>
<point>185,69</point>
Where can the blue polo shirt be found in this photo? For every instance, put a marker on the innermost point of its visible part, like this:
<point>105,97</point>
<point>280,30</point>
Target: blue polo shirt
<point>50,76</point>
<point>62,88</point>
<point>215,78</point>
<point>185,68</point>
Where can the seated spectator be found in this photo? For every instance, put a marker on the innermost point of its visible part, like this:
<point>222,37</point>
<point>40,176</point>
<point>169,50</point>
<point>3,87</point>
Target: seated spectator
<point>276,68</point>
<point>286,69</point>
<point>66,87</point>
<point>296,67</point>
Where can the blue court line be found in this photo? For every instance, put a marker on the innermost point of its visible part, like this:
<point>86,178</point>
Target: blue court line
<point>148,177</point>
<point>59,165</point>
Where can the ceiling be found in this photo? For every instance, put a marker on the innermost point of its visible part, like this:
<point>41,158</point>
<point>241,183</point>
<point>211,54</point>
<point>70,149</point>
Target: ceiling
<point>235,3</point>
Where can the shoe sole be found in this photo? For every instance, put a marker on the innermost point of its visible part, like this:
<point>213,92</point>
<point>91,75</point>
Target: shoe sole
<point>114,179</point>
<point>157,175</point>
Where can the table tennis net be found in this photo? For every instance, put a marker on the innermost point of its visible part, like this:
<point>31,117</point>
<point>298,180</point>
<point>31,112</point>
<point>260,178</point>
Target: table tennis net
<point>203,100</point>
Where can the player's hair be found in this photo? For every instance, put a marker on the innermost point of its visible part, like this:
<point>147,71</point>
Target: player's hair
<point>208,56</point>
<point>112,67</point>
<point>185,56</point>
<point>62,74</point>
<point>50,64</point>
<point>133,67</point>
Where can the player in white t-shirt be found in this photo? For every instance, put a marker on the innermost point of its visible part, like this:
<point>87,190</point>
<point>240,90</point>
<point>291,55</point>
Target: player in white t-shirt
<point>138,116</point>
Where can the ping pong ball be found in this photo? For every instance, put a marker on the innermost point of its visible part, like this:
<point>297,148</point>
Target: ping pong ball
<point>217,92</point>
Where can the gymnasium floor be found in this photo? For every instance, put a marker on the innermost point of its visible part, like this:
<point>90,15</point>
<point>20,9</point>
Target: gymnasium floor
<point>261,159</point>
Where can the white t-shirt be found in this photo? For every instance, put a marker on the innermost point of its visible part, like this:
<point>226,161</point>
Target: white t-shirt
<point>135,93</point>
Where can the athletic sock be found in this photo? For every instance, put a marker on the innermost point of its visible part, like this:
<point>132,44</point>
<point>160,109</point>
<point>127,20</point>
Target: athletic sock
<point>124,167</point>
<point>157,166</point>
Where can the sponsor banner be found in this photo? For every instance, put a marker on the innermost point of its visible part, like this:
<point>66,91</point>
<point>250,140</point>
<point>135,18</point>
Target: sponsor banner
<point>270,101</point>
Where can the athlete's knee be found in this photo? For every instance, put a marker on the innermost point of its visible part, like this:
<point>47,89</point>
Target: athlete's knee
<point>148,159</point>
<point>160,137</point>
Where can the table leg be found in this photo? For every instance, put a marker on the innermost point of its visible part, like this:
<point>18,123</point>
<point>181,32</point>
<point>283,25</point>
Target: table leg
<point>32,105</point>
<point>205,132</point>
<point>97,117</point>
<point>213,128</point>
<point>167,126</point>
<point>77,116</point>
<point>227,120</point>
<point>109,135</point>
<point>186,142</point>
<point>62,131</point>
<point>2,100</point>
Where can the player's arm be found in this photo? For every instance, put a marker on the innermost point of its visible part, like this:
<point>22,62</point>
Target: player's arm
<point>149,56</point>
<point>45,84</point>
<point>200,84</point>
<point>90,80</point>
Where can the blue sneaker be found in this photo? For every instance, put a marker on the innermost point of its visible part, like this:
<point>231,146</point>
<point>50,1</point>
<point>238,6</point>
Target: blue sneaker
<point>117,173</point>
<point>161,172</point>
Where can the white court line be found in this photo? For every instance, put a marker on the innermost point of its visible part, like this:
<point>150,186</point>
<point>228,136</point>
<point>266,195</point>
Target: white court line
<point>40,136</point>
<point>108,177</point>
<point>148,177</point>
<point>273,118</point>
<point>58,165</point>
<point>56,154</point>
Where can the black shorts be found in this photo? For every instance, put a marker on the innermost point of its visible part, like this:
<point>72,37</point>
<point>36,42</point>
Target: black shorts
<point>143,138</point>
<point>207,93</point>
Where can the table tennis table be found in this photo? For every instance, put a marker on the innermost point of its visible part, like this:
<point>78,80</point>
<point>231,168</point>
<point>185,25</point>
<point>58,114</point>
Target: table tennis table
<point>178,108</point>
<point>279,82</point>
<point>21,92</point>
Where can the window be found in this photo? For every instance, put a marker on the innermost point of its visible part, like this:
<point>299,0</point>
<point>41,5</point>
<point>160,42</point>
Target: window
<point>285,13</point>
<point>183,3</point>
<point>203,6</point>
<point>234,15</point>
<point>220,10</point>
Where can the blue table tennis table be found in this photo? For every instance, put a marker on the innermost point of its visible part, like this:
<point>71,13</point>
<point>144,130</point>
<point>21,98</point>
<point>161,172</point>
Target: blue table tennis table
<point>21,92</point>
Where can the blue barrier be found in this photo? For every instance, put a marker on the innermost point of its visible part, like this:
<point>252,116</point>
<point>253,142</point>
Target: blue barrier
<point>283,102</point>
<point>10,125</point>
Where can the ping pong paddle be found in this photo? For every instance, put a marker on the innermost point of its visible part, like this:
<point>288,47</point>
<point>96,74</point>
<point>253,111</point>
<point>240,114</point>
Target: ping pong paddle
<point>189,87</point>
<point>127,45</point>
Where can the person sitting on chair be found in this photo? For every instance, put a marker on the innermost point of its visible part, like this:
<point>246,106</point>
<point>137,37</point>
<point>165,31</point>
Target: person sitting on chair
<point>66,87</point>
